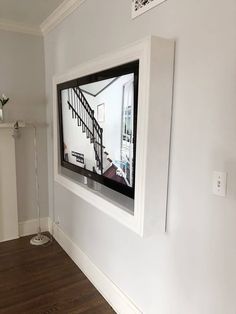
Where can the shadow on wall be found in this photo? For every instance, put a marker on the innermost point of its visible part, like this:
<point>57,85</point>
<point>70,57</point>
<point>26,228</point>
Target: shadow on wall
<point>25,175</point>
<point>26,194</point>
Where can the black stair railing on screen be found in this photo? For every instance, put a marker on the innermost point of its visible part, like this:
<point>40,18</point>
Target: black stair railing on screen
<point>84,114</point>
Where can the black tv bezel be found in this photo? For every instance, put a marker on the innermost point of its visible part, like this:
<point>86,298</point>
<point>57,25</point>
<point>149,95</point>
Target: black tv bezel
<point>131,67</point>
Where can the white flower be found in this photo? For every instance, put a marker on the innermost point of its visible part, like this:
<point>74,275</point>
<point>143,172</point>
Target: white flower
<point>3,100</point>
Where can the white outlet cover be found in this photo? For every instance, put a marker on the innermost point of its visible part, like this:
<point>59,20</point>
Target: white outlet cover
<point>219,183</point>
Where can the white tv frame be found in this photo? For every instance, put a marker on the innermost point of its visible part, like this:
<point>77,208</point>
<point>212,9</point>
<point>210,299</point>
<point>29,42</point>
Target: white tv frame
<point>156,63</point>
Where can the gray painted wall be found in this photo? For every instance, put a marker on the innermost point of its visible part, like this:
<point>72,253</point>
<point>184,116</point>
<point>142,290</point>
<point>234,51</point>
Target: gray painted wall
<point>191,269</point>
<point>22,78</point>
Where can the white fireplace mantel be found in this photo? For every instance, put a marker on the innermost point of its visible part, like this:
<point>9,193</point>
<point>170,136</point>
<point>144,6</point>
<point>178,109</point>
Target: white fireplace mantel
<point>8,186</point>
<point>8,191</point>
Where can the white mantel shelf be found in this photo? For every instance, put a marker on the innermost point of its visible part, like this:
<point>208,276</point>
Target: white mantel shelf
<point>22,124</point>
<point>10,125</point>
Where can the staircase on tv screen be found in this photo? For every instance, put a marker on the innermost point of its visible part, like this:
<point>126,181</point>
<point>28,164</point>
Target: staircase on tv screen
<point>84,114</point>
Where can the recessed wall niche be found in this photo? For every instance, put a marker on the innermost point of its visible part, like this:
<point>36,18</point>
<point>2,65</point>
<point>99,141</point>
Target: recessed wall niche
<point>146,213</point>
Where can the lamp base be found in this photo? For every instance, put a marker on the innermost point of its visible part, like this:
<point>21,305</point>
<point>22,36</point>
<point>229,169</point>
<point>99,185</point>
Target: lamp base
<point>39,239</point>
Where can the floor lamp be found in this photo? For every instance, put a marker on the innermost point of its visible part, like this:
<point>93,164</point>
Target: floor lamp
<point>39,239</point>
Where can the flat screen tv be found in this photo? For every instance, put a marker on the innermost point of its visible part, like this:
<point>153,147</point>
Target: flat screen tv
<point>97,126</point>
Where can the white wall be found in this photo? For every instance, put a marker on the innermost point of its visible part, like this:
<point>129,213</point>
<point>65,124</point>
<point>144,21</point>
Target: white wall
<point>191,269</point>
<point>22,79</point>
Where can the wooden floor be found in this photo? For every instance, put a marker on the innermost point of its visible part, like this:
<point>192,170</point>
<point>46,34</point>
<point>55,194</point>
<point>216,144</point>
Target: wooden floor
<point>111,174</point>
<point>44,280</point>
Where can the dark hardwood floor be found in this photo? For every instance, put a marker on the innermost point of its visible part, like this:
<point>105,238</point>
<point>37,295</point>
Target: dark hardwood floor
<point>44,280</point>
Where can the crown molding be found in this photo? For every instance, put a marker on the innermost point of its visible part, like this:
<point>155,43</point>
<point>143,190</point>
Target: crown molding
<point>12,26</point>
<point>59,14</point>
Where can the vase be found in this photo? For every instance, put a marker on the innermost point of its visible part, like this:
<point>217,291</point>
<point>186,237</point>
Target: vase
<point>1,114</point>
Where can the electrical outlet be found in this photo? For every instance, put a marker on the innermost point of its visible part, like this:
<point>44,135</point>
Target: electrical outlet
<point>219,183</point>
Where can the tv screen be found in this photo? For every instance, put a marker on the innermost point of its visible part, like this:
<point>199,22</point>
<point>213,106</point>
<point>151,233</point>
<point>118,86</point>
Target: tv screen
<point>97,125</point>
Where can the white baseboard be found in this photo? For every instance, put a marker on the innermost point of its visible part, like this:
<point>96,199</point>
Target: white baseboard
<point>114,296</point>
<point>8,239</point>
<point>30,227</point>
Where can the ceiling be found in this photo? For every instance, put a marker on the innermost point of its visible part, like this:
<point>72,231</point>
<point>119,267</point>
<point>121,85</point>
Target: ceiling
<point>97,87</point>
<point>27,12</point>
